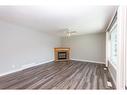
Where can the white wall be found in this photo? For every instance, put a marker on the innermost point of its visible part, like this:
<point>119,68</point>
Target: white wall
<point>121,59</point>
<point>20,47</point>
<point>126,49</point>
<point>86,47</point>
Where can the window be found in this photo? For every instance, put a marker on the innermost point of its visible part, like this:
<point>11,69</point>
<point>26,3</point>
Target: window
<point>113,44</point>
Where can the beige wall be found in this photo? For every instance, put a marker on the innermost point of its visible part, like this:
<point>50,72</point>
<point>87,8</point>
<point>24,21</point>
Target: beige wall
<point>86,47</point>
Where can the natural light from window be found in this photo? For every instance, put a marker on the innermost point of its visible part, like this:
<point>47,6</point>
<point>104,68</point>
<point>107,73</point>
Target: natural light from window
<point>113,44</point>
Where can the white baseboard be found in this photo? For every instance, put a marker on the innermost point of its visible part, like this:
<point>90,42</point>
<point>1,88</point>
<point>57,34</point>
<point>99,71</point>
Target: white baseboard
<point>91,61</point>
<point>33,64</point>
<point>25,67</point>
<point>112,74</point>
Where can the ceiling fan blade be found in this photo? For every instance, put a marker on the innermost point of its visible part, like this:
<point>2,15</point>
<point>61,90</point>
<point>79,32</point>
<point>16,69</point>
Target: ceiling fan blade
<point>73,32</point>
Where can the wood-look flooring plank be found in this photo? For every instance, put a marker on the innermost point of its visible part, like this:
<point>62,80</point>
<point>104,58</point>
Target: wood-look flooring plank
<point>58,78</point>
<point>59,75</point>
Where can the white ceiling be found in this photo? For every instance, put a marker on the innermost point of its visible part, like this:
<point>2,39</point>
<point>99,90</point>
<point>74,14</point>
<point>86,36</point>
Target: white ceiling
<point>54,18</point>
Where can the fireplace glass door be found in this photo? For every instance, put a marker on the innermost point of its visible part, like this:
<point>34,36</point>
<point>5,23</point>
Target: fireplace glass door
<point>62,55</point>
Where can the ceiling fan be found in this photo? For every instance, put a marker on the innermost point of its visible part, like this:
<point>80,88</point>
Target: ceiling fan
<point>70,33</point>
<point>67,32</point>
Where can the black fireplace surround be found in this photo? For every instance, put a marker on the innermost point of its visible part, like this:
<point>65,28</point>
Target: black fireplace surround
<point>62,55</point>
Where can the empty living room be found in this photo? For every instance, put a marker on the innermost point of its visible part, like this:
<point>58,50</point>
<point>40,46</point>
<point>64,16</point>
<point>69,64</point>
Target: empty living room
<point>63,47</point>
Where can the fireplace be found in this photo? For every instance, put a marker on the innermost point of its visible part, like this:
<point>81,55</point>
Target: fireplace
<point>62,54</point>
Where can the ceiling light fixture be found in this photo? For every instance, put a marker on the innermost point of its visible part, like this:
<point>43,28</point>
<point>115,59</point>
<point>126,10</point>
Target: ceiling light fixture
<point>70,33</point>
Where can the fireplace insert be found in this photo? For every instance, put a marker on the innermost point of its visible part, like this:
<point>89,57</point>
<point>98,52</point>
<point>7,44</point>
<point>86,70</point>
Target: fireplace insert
<point>62,55</point>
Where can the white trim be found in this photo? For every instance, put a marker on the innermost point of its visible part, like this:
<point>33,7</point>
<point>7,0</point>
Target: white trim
<point>107,39</point>
<point>112,74</point>
<point>121,47</point>
<point>91,61</point>
<point>113,27</point>
<point>107,49</point>
<point>33,64</point>
<point>126,51</point>
<point>111,20</point>
<point>24,67</point>
<point>114,65</point>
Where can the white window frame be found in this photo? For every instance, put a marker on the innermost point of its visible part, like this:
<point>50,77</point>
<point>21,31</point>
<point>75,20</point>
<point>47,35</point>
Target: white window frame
<point>121,66</point>
<point>109,43</point>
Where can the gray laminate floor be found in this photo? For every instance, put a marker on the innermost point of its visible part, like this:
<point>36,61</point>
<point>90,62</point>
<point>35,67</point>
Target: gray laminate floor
<point>62,75</point>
